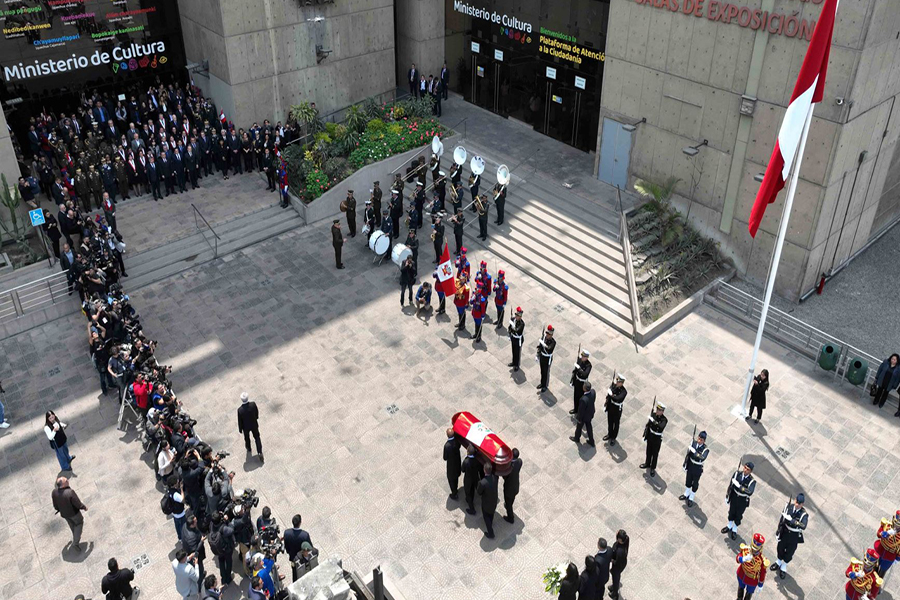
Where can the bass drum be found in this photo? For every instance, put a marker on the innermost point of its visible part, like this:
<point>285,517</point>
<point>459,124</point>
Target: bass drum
<point>373,239</point>
<point>400,253</point>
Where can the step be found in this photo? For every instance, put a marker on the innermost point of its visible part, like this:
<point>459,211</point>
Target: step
<point>602,242</point>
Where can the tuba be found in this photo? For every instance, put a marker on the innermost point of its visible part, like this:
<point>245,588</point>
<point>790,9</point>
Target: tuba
<point>503,178</point>
<point>477,166</point>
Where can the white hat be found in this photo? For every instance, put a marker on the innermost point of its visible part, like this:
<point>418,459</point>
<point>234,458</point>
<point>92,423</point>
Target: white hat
<point>585,353</point>
<point>620,377</point>
<point>660,406</point>
<point>245,398</point>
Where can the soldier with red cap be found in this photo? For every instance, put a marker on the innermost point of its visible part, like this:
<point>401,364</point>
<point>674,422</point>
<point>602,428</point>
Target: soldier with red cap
<point>486,282</point>
<point>752,565</point>
<point>501,294</point>
<point>461,301</point>
<point>545,357</point>
<point>864,584</point>
<point>479,309</point>
<point>462,265</point>
<point>517,338</point>
<point>888,543</point>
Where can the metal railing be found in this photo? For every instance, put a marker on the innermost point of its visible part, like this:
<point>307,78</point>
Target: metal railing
<point>789,331</point>
<point>214,244</point>
<point>32,296</point>
<point>625,241</point>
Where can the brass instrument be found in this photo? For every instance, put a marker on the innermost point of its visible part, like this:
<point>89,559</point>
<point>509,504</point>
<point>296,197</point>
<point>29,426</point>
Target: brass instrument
<point>471,180</point>
<point>460,289</point>
<point>480,205</point>
<point>433,235</point>
<point>434,161</point>
<point>453,195</point>
<point>503,178</point>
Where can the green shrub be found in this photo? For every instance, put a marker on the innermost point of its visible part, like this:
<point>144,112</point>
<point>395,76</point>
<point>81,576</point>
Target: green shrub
<point>331,129</point>
<point>375,126</point>
<point>317,183</point>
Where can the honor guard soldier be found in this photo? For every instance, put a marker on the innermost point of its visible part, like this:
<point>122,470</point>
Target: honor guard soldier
<point>459,223</point>
<point>419,204</point>
<point>500,202</point>
<point>442,298</point>
<point>376,202</point>
<point>579,376</point>
<point>369,218</point>
<point>793,522</point>
<point>454,466</point>
<point>501,294</point>
<point>462,264</point>
<point>479,310</point>
<point>511,486</point>
<point>740,489</point>
<point>696,455</point>
<point>483,206</point>
<point>615,398</point>
<point>350,208</point>
<point>437,237</point>
<point>545,357</point>
<point>751,571</point>
<point>461,301</point>
<point>337,240</point>
<point>472,474</point>
<point>864,584</point>
<point>387,224</point>
<point>653,432</point>
<point>888,543</point>
<point>486,279</point>
<point>517,338</point>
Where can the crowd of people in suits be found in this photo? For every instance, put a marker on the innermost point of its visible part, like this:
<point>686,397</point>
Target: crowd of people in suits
<point>434,87</point>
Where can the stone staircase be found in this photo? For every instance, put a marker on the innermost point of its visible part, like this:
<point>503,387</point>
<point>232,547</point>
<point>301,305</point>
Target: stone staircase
<point>566,242</point>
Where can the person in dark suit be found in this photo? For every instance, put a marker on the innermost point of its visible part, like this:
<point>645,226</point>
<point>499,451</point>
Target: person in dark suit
<point>234,144</point>
<point>58,191</point>
<point>191,166</point>
<point>294,539</point>
<point>51,229</point>
<point>268,166</point>
<point>248,422</point>
<point>585,415</point>
<point>568,585</point>
<point>337,240</point>
<point>99,113</point>
<point>166,174</point>
<point>66,263</point>
<point>472,473</point>
<point>511,486</point>
<point>206,160</point>
<point>487,489</point>
<point>619,562</point>
<point>587,583</point>
<point>454,466</point>
<point>602,559</point>
<point>412,76</point>
<point>445,80</point>
<point>153,177</point>
<point>178,169</point>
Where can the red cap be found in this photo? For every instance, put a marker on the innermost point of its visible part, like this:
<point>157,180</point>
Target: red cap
<point>758,540</point>
<point>462,251</point>
<point>483,264</point>
<point>519,309</point>
<point>549,327</point>
<point>501,273</point>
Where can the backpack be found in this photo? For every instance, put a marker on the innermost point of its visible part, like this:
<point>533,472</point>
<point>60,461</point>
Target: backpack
<point>215,542</point>
<point>166,504</point>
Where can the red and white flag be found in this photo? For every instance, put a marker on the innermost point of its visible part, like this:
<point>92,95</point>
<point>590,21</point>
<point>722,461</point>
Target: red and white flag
<point>445,282</point>
<point>807,91</point>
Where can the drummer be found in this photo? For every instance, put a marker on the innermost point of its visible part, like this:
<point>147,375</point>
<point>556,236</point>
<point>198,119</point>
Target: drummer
<point>369,218</point>
<point>413,244</point>
<point>387,225</point>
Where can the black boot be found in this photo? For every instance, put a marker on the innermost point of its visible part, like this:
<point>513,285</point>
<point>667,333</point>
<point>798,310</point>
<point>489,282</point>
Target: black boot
<point>500,317</point>
<point>740,595</point>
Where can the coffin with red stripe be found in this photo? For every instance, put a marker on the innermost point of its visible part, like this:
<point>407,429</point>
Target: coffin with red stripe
<point>490,447</point>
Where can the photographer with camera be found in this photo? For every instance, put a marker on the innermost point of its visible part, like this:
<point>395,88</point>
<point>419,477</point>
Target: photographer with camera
<point>174,503</point>
<point>192,475</point>
<point>263,566</point>
<point>222,544</point>
<point>192,542</point>
<point>243,532</point>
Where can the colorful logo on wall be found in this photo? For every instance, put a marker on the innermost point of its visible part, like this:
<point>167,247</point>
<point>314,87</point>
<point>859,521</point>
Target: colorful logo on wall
<point>518,36</point>
<point>142,63</point>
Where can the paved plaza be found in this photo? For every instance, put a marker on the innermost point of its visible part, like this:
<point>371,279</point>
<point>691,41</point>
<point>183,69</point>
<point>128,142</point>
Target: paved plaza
<point>325,353</point>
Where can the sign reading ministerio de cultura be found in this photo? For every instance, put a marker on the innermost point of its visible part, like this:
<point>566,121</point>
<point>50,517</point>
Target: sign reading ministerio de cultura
<point>494,17</point>
<point>722,11</point>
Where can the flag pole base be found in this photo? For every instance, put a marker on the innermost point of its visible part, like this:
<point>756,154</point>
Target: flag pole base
<point>738,411</point>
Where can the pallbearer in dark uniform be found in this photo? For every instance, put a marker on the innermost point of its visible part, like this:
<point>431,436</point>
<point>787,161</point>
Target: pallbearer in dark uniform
<point>545,357</point>
<point>337,240</point>
<point>376,201</point>
<point>487,489</point>
<point>501,295</point>
<point>517,338</point>
<point>454,466</point>
<point>483,206</point>
<point>790,530</point>
<point>615,398</point>
<point>349,206</point>
<point>653,432</point>
<point>472,474</point>
<point>500,202</point>
<point>696,456</point>
<point>740,488</point>
<point>511,486</point>
<point>438,237</point>
<point>579,376</point>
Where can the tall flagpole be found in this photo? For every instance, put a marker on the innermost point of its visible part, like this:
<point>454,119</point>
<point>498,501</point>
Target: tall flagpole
<point>776,258</point>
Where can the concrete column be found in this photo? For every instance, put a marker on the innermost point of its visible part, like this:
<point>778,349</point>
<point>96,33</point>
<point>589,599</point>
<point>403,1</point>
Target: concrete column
<point>9,166</point>
<point>421,26</point>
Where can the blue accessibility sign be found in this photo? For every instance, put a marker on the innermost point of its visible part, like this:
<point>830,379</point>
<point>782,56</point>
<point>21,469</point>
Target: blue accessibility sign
<point>36,216</point>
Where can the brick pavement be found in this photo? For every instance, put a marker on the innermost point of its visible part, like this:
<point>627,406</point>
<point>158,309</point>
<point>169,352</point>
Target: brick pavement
<point>325,352</point>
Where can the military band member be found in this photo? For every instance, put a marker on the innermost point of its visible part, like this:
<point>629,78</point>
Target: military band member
<point>500,202</point>
<point>454,466</point>
<point>615,398</point>
<point>479,310</point>
<point>387,224</point>
<point>440,188</point>
<point>419,204</point>
<point>482,206</point>
<point>864,584</point>
<point>474,182</point>
<point>696,455</point>
<point>455,173</point>
<point>438,237</point>
<point>412,217</point>
<point>580,375</point>
<point>545,349</point>
<point>793,522</point>
<point>376,202</point>
<point>396,213</point>
<point>398,185</point>
<point>442,298</point>
<point>350,208</point>
<point>501,294</point>
<point>435,169</point>
<point>751,571</point>
<point>888,543</point>
<point>740,488</point>
<point>516,331</point>
<point>421,171</point>
<point>653,432</point>
<point>461,301</point>
<point>369,218</point>
<point>459,223</point>
<point>457,196</point>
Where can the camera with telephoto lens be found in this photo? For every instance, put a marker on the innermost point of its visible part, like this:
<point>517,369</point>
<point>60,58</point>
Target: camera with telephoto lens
<point>248,499</point>
<point>270,540</point>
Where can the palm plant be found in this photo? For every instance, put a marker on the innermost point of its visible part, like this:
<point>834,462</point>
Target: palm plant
<point>657,195</point>
<point>356,119</point>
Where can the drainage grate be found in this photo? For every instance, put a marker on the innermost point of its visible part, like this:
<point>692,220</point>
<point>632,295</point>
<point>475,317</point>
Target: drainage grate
<point>782,453</point>
<point>265,282</point>
<point>53,371</point>
<point>559,308</point>
<point>393,409</point>
<point>140,562</point>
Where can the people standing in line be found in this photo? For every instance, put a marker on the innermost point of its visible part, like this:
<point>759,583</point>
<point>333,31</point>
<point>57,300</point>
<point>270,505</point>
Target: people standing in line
<point>740,489</point>
<point>585,415</point>
<point>568,585</point>
<point>117,583</point>
<point>758,394</point>
<point>55,430</point>
<point>545,349</point>
<point>696,456</point>
<point>791,525</point>
<point>516,332</point>
<point>248,422</point>
<point>618,563</point>
<point>653,433</point>
<point>487,489</point>
<point>472,474</point>
<point>69,506</point>
<point>187,577</point>
<point>580,375</point>
<point>337,240</point>
<point>615,398</point>
<point>602,559</point>
<point>511,486</point>
<point>454,466</point>
<point>886,379</point>
<point>589,580</point>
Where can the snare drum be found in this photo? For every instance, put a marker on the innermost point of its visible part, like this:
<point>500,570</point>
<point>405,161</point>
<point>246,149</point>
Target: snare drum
<point>379,242</point>
<point>366,230</point>
<point>400,253</point>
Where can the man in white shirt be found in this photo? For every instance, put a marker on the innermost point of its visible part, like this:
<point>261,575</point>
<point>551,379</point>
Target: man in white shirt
<point>187,578</point>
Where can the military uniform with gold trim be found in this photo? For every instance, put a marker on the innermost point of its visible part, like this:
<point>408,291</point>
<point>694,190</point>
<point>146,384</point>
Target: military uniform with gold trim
<point>752,566</point>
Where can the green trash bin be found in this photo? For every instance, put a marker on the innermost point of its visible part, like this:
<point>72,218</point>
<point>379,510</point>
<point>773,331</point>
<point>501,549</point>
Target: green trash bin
<point>828,356</point>
<point>856,371</point>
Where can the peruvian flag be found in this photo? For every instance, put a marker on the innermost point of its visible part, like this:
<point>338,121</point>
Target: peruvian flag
<point>222,118</point>
<point>446,284</point>
<point>807,92</point>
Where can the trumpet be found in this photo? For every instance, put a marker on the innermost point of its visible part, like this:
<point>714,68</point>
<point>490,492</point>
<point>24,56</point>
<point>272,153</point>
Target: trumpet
<point>433,235</point>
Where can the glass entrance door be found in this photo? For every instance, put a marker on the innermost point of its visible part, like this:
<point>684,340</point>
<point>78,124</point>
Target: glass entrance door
<point>559,112</point>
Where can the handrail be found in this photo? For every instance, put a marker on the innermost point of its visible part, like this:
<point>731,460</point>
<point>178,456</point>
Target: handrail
<point>30,283</point>
<point>214,247</point>
<point>625,241</point>
<point>16,302</point>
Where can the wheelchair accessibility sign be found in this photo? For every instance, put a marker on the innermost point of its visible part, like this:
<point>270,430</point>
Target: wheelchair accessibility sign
<point>36,216</point>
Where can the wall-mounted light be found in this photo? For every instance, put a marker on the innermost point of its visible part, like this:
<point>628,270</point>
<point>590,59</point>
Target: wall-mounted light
<point>321,53</point>
<point>694,150</point>
<point>630,127</point>
<point>759,177</point>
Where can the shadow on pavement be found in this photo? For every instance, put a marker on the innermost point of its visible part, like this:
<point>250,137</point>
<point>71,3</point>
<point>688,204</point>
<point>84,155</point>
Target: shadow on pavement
<point>71,555</point>
<point>658,484</point>
<point>617,452</point>
<point>696,515</point>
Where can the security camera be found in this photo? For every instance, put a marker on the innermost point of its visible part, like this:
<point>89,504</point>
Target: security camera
<point>839,101</point>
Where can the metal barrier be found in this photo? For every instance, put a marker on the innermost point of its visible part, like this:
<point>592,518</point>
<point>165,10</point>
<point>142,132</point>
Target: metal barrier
<point>625,241</point>
<point>27,298</point>
<point>787,330</point>
<point>214,245</point>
